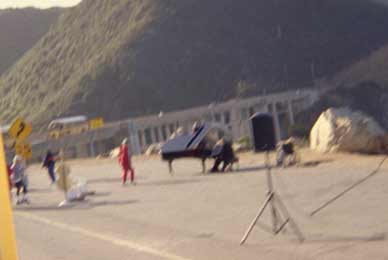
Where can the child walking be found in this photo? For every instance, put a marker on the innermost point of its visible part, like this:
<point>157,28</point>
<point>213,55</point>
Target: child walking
<point>19,179</point>
<point>49,163</point>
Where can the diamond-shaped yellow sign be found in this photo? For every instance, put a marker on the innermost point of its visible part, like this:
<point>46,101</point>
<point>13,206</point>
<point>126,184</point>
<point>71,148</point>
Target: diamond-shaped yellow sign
<point>24,150</point>
<point>20,130</point>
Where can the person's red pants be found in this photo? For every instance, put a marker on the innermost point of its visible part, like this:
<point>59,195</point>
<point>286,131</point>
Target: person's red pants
<point>125,174</point>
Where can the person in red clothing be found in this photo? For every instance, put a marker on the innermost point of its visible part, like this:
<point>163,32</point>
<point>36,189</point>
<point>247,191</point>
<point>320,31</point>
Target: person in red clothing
<point>125,162</point>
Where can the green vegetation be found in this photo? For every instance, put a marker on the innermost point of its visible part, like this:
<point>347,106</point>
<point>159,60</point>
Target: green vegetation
<point>122,58</point>
<point>244,141</point>
<point>20,29</point>
<point>299,130</point>
<point>370,69</point>
<point>368,97</point>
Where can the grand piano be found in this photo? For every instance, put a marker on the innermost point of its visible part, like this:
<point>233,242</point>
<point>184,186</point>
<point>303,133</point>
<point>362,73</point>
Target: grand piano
<point>197,144</point>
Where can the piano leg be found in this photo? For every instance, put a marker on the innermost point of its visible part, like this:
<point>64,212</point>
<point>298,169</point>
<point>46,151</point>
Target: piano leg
<point>170,169</point>
<point>203,166</point>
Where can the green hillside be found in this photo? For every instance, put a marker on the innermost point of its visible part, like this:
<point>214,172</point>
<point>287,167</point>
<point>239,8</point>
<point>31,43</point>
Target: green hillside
<point>20,29</point>
<point>370,69</point>
<point>121,58</point>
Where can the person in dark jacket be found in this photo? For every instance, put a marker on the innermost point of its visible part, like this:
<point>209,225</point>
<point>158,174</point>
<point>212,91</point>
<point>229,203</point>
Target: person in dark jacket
<point>222,153</point>
<point>49,163</point>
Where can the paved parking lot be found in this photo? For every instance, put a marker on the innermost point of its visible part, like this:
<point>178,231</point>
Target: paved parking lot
<point>195,216</point>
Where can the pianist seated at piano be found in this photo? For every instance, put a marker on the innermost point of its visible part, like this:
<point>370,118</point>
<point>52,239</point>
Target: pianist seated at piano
<point>198,143</point>
<point>223,153</point>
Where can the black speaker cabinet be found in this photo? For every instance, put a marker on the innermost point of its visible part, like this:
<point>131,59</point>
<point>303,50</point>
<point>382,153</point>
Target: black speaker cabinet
<point>263,132</point>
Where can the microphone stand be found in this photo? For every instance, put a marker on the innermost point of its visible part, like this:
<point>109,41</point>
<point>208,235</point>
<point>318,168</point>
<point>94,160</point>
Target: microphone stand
<point>278,209</point>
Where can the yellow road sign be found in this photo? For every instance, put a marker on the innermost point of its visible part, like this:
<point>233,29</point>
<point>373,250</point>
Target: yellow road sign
<point>20,130</point>
<point>27,153</point>
<point>19,147</point>
<point>24,150</point>
<point>55,134</point>
<point>7,234</point>
<point>96,123</point>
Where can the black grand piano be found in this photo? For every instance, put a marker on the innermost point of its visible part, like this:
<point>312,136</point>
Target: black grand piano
<point>197,144</point>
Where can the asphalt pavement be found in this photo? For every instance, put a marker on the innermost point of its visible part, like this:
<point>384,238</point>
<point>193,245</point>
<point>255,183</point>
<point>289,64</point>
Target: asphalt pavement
<point>190,215</point>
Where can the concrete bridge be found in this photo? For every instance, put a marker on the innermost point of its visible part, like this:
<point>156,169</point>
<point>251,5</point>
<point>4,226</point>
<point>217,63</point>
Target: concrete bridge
<point>233,114</point>
<point>145,131</point>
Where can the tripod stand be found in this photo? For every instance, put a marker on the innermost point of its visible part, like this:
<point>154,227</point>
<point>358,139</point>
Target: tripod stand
<point>279,213</point>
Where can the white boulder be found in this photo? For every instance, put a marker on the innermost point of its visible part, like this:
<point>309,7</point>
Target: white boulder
<point>349,131</point>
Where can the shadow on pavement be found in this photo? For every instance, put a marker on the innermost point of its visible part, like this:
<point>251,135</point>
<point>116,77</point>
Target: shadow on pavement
<point>312,239</point>
<point>236,171</point>
<point>105,180</point>
<point>167,182</point>
<point>36,190</point>
<point>263,167</point>
<point>84,205</point>
<point>307,164</point>
<point>110,180</point>
<point>112,203</point>
<point>101,194</point>
<point>249,169</point>
<point>314,163</point>
<point>322,238</point>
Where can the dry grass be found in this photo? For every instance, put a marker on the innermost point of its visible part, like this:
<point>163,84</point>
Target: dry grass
<point>20,29</point>
<point>119,58</point>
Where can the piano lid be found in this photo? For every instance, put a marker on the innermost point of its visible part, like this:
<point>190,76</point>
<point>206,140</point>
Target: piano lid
<point>206,133</point>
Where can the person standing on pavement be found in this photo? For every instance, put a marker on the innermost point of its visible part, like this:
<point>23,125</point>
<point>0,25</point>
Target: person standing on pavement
<point>49,163</point>
<point>19,179</point>
<point>125,162</point>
